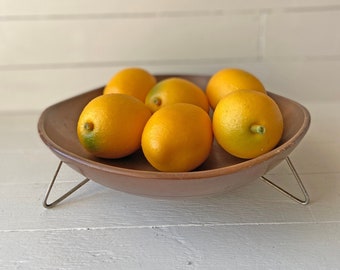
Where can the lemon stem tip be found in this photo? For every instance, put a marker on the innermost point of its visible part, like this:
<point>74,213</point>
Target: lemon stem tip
<point>89,126</point>
<point>258,129</point>
<point>157,101</point>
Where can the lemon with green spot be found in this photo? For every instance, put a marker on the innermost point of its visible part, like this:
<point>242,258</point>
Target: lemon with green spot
<point>111,125</point>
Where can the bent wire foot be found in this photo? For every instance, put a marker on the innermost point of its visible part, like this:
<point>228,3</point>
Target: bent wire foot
<point>68,193</point>
<point>303,201</point>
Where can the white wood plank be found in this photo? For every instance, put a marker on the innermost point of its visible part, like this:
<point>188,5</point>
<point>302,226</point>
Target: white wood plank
<point>256,203</point>
<point>293,246</point>
<point>44,87</point>
<point>298,35</point>
<point>67,7</point>
<point>48,86</point>
<point>324,157</point>
<point>130,39</point>
<point>21,132</point>
<point>301,81</point>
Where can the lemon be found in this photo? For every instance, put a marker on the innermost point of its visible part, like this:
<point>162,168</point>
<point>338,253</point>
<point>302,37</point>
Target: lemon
<point>176,90</point>
<point>177,138</point>
<point>227,80</point>
<point>132,81</point>
<point>111,126</point>
<point>247,123</point>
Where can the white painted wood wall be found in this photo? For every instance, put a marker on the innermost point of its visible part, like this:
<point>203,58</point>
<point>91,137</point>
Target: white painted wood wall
<point>52,50</point>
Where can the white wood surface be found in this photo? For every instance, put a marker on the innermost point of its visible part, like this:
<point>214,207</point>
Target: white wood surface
<point>254,227</point>
<point>52,50</point>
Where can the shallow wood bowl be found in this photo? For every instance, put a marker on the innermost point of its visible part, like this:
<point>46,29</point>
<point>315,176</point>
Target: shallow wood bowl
<point>221,172</point>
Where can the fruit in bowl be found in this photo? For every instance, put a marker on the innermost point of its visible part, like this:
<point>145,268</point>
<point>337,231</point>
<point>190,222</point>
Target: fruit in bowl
<point>227,80</point>
<point>176,90</point>
<point>177,137</point>
<point>247,123</point>
<point>173,126</point>
<point>111,126</point>
<point>221,172</point>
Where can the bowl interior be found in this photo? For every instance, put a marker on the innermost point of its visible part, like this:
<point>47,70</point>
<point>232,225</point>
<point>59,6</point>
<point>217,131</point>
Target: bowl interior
<point>57,128</point>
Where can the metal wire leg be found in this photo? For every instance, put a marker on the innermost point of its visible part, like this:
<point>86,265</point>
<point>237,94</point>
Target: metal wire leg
<point>61,198</point>
<point>298,180</point>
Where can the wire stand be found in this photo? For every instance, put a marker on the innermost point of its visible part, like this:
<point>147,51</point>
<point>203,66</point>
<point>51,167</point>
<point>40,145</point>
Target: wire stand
<point>63,197</point>
<point>303,201</point>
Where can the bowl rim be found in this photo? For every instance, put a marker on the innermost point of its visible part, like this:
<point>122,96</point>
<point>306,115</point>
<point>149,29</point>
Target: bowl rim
<point>71,157</point>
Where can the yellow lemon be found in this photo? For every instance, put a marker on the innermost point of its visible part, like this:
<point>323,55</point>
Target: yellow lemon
<point>177,138</point>
<point>230,79</point>
<point>132,81</point>
<point>111,126</point>
<point>176,90</point>
<point>247,123</point>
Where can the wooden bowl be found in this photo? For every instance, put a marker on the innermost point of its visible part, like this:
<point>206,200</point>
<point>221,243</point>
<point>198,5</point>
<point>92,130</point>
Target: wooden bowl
<point>133,174</point>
